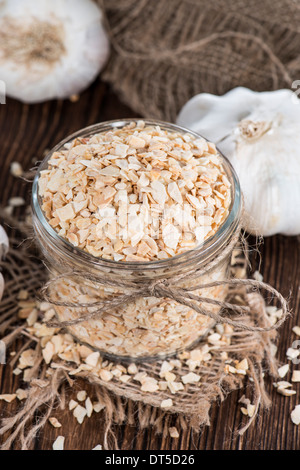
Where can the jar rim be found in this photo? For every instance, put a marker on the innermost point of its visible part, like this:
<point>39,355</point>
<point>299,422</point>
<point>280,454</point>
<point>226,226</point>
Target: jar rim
<point>201,252</point>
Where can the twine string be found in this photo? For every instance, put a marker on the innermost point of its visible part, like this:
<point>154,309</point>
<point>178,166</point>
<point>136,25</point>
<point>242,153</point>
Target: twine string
<point>166,289</point>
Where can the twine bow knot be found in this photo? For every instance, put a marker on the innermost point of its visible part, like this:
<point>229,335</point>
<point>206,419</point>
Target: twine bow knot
<point>157,288</point>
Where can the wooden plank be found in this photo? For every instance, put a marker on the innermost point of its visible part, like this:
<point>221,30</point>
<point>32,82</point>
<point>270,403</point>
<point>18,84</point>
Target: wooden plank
<point>25,133</point>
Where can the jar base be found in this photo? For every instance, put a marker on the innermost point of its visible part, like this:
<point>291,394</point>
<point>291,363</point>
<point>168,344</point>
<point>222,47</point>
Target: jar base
<point>142,359</point>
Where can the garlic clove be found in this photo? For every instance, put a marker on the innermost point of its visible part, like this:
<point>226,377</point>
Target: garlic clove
<point>1,286</point>
<point>4,245</point>
<point>259,132</point>
<point>205,113</point>
<point>51,49</point>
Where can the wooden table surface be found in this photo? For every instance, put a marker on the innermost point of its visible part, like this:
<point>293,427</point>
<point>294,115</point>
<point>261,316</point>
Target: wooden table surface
<point>26,131</point>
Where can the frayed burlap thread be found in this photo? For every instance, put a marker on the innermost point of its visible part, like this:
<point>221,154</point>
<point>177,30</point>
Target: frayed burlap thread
<point>165,52</point>
<point>126,403</point>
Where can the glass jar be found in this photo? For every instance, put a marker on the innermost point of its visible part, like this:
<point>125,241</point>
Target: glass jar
<point>148,327</point>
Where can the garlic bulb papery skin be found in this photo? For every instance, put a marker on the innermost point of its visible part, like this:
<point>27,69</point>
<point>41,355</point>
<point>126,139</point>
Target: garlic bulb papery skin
<point>4,245</point>
<point>259,132</point>
<point>50,48</point>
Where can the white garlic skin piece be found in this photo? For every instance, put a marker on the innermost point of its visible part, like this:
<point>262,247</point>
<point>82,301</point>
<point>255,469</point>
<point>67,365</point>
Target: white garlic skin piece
<point>50,49</point>
<point>4,245</point>
<point>267,162</point>
<point>1,286</point>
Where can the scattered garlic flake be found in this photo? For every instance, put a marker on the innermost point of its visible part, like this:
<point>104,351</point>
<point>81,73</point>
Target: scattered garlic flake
<point>173,432</point>
<point>92,359</point>
<point>286,392</point>
<point>8,397</point>
<point>258,276</point>
<point>283,388</point>
<point>16,169</point>
<point>295,415</point>
<point>81,396</point>
<point>296,330</point>
<point>59,443</point>
<point>72,404</point>
<point>80,413</point>
<point>16,201</point>
<point>149,384</point>
<point>132,369</point>
<point>283,370</point>
<point>244,400</point>
<point>166,403</point>
<point>214,338</point>
<point>97,407</point>
<point>190,378</point>
<point>88,407</point>
<point>296,376</point>
<point>106,375</point>
<point>22,294</point>
<point>55,423</point>
<point>242,367</point>
<point>21,394</point>
<point>292,353</point>
<point>250,410</point>
<point>48,352</point>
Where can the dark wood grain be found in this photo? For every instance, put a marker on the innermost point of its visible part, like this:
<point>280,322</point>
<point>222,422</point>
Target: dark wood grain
<point>26,131</point>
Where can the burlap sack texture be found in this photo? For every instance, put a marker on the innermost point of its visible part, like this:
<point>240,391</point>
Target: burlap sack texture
<point>164,52</point>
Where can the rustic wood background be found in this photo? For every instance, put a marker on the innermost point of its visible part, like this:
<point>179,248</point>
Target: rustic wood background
<point>26,131</point>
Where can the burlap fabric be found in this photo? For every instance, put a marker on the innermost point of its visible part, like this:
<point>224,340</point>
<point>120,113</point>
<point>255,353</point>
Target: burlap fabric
<point>124,402</point>
<point>164,52</point>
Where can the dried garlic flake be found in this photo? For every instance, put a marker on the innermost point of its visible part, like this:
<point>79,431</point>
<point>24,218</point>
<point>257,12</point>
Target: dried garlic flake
<point>59,443</point>
<point>295,415</point>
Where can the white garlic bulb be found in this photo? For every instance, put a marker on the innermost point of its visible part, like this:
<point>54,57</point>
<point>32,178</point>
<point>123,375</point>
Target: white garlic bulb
<point>259,132</point>
<point>50,48</point>
<point>4,244</point>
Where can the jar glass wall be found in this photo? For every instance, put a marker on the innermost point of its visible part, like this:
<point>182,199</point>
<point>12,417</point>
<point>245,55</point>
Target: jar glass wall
<point>147,327</point>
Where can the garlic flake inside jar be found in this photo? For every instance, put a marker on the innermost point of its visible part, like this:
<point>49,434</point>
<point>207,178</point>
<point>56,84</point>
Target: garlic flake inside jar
<point>51,49</point>
<point>136,194</point>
